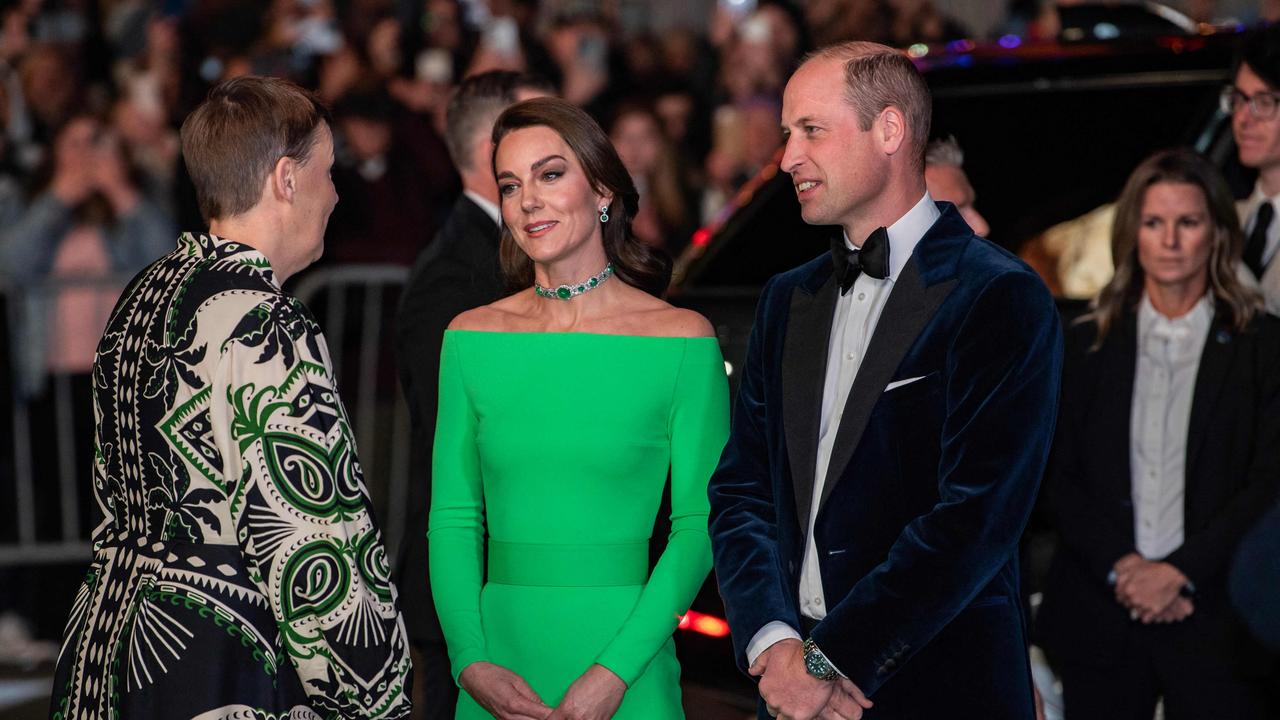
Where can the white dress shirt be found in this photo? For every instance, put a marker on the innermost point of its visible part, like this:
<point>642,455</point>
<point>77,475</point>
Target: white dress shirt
<point>1248,215</point>
<point>488,207</point>
<point>1168,358</point>
<point>852,326</point>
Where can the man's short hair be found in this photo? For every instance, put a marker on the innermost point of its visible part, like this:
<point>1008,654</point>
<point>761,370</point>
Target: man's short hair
<point>238,134</point>
<point>944,151</point>
<point>877,76</point>
<point>1261,52</point>
<point>477,103</point>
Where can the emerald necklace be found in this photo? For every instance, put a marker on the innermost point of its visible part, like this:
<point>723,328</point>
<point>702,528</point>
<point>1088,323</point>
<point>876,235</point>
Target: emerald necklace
<point>567,292</point>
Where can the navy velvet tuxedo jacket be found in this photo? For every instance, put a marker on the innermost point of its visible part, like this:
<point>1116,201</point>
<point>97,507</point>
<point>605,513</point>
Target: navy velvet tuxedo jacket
<point>929,487</point>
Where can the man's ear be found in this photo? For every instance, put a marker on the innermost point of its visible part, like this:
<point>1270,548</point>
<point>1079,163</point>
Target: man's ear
<point>892,129</point>
<point>284,179</point>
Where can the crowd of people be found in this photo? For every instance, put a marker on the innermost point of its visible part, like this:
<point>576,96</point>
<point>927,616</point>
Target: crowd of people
<point>902,399</point>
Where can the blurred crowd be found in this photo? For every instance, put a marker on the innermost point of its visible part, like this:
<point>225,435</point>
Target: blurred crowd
<point>92,94</point>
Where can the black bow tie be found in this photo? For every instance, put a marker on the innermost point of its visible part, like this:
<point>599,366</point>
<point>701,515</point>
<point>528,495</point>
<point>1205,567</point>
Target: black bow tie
<point>872,259</point>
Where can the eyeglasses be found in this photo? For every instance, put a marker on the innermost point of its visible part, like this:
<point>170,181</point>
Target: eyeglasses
<point>1262,105</point>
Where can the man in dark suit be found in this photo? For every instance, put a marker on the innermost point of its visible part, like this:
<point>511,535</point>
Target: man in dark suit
<point>895,413</point>
<point>1253,101</point>
<point>458,271</point>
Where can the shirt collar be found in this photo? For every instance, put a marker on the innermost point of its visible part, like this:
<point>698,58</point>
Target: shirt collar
<point>493,211</point>
<point>1193,324</point>
<point>906,232</point>
<point>1251,203</point>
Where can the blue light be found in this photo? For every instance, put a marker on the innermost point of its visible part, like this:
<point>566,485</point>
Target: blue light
<point>1106,31</point>
<point>1010,42</point>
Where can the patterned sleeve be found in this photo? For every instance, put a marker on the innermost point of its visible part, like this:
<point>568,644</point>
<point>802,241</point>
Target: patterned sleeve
<point>303,517</point>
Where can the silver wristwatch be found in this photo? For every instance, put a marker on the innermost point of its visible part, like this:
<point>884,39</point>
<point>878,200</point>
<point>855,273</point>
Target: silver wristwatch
<point>816,663</point>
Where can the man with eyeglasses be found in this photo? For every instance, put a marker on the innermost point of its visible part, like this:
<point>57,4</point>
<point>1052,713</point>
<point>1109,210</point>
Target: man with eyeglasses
<point>1253,101</point>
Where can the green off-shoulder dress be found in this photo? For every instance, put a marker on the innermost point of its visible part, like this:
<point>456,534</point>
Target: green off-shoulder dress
<point>559,444</point>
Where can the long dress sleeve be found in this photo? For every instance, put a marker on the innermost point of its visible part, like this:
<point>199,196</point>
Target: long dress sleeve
<point>302,515</point>
<point>698,428</point>
<point>455,539</point>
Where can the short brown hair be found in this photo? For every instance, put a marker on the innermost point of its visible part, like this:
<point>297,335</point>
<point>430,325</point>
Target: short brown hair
<point>634,262</point>
<point>877,76</point>
<point>238,134</point>
<point>477,103</point>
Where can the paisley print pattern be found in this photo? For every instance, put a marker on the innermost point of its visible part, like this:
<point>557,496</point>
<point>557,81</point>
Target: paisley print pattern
<point>237,570</point>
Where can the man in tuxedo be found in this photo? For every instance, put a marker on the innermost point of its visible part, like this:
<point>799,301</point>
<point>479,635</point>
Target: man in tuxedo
<point>895,414</point>
<point>458,271</point>
<point>1253,100</point>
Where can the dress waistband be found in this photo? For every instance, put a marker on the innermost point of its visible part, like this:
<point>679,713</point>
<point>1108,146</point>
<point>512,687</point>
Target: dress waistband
<point>547,565</point>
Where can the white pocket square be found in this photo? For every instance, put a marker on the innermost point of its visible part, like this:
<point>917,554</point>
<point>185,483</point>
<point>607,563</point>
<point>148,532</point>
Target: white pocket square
<point>900,383</point>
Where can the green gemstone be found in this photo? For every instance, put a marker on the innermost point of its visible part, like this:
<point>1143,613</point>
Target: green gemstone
<point>581,289</point>
<point>593,282</point>
<point>563,293</point>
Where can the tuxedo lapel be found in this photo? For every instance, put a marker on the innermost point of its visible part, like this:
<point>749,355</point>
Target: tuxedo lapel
<point>911,305</point>
<point>804,367</point>
<point>1215,361</point>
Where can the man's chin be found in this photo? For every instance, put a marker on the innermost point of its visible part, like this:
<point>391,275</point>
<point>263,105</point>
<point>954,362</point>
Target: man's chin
<point>1256,160</point>
<point>813,216</point>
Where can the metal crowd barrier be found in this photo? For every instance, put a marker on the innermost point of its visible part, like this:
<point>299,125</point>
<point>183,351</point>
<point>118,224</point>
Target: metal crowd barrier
<point>355,305</point>
<point>71,473</point>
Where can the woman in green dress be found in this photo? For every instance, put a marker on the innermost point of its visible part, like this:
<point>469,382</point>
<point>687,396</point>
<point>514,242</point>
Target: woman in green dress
<point>563,408</point>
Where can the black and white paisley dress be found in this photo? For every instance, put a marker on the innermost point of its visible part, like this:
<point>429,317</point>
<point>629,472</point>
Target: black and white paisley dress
<point>238,572</point>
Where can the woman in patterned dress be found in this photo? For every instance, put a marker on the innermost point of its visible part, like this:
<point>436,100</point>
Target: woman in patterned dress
<point>238,572</point>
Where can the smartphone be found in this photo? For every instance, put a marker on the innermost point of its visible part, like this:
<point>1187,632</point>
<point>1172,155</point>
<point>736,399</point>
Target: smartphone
<point>434,65</point>
<point>738,9</point>
<point>756,29</point>
<point>593,51</point>
<point>502,36</point>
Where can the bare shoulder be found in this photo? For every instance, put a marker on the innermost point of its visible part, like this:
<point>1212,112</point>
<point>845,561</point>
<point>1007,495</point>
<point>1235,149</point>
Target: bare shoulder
<point>676,322</point>
<point>486,318</point>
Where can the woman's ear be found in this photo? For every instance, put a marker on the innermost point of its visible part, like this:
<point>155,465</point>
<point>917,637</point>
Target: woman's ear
<point>284,179</point>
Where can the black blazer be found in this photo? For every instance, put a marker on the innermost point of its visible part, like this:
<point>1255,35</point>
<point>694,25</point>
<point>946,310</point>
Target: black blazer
<point>458,271</point>
<point>1232,473</point>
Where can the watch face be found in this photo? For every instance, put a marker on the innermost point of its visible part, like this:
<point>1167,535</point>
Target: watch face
<point>817,665</point>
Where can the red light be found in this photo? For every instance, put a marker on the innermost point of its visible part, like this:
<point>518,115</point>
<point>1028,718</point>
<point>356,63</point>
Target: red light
<point>701,237</point>
<point>708,625</point>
